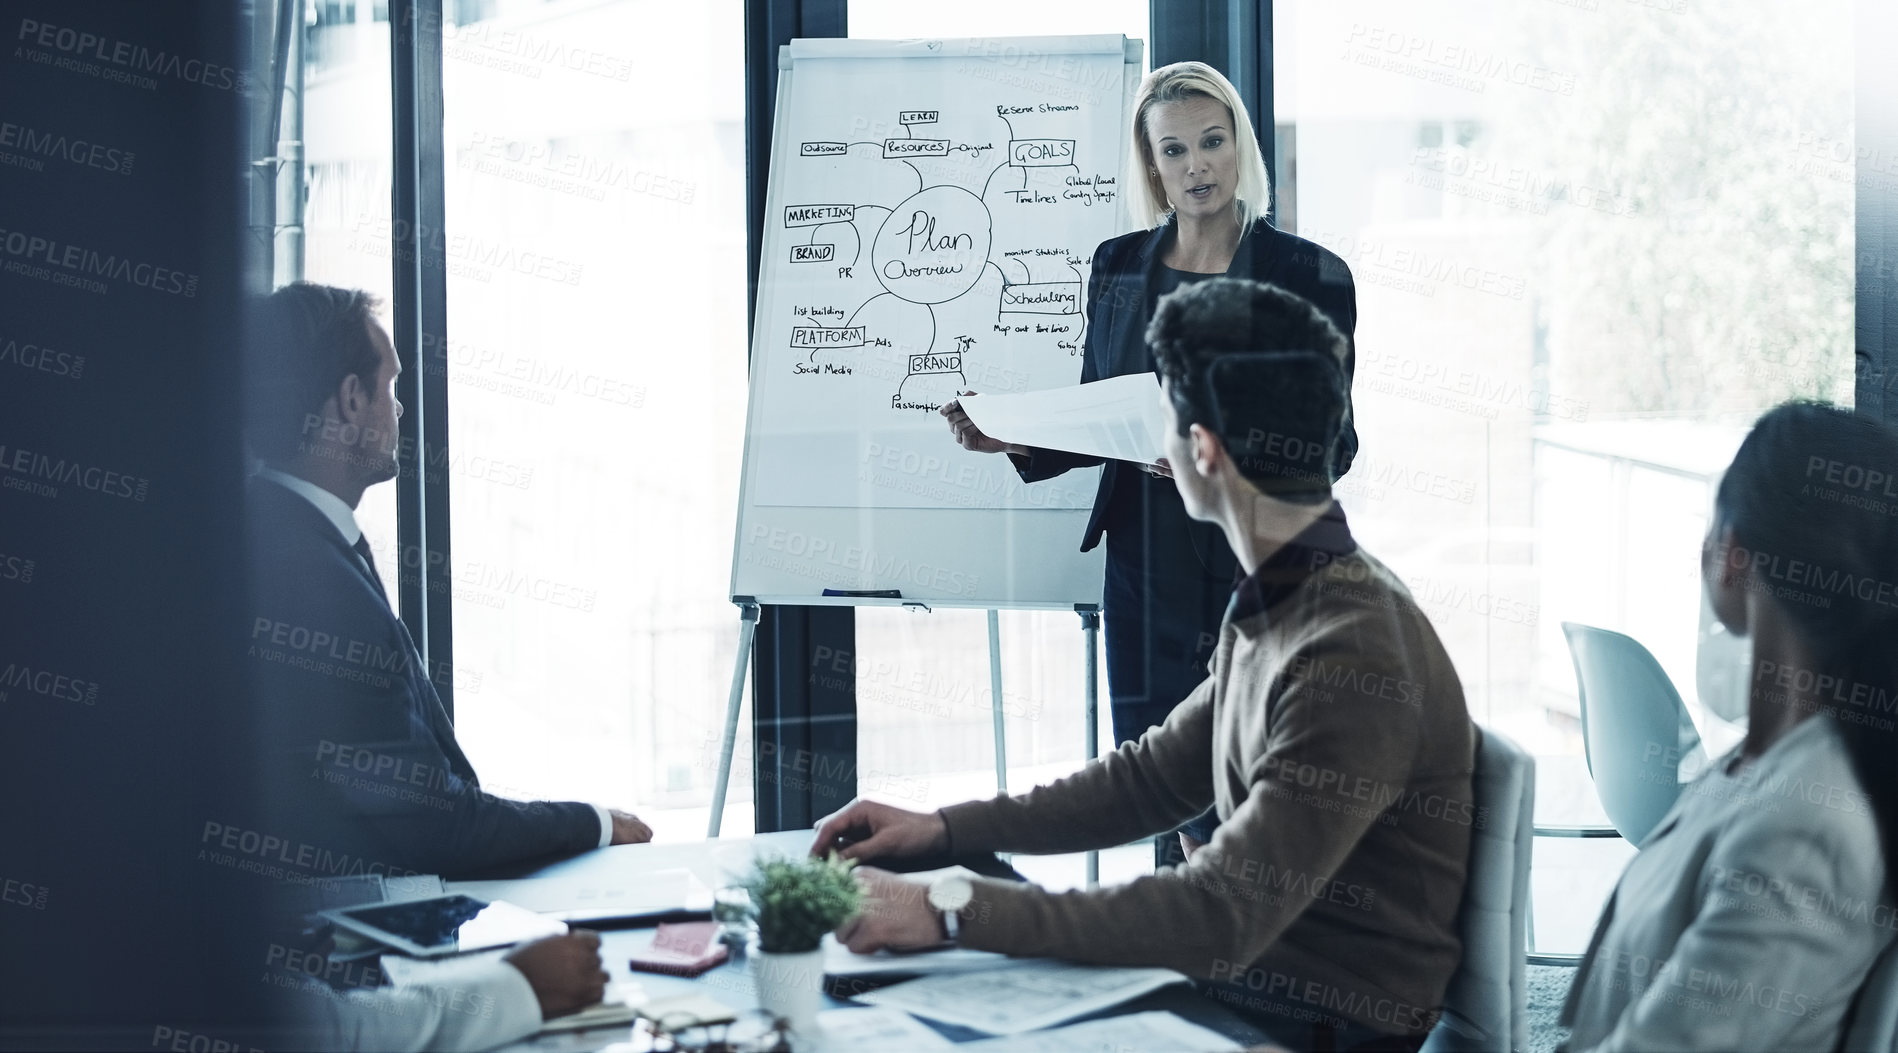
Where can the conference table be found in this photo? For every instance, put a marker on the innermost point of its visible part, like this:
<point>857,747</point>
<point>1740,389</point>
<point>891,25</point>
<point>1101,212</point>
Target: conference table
<point>595,877</point>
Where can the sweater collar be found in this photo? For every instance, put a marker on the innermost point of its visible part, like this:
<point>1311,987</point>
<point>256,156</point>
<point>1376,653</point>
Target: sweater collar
<point>1326,540</point>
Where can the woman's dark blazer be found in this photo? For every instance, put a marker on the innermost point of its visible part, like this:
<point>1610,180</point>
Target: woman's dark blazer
<point>1115,343</point>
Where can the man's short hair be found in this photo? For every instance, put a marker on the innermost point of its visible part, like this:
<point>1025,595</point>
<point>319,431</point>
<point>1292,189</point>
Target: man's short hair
<point>307,338</point>
<point>1262,368</point>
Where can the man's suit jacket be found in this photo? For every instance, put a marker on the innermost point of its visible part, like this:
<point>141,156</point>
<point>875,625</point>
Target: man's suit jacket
<point>1116,340</point>
<point>366,773</point>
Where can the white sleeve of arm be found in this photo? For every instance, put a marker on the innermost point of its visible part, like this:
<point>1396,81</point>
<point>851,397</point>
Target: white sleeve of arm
<point>457,1008</point>
<point>606,824</point>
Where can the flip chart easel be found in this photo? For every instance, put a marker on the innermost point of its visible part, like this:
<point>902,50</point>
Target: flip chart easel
<point>931,216</point>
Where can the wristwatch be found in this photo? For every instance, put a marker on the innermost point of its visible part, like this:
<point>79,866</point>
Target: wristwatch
<point>950,894</point>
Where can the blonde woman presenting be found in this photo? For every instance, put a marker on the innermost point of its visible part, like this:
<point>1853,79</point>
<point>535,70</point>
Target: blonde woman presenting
<point>1198,184</point>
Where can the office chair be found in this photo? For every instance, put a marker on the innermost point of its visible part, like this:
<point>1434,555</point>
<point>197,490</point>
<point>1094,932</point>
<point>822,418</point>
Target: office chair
<point>1635,736</point>
<point>1486,1006</point>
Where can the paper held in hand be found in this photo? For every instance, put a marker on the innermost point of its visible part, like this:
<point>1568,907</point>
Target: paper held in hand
<point>1120,418</point>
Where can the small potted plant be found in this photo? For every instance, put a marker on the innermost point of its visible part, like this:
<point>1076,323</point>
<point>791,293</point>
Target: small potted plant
<point>795,902</point>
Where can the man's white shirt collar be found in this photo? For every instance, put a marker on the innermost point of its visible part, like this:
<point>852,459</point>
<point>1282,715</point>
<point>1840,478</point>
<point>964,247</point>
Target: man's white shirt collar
<point>333,508</point>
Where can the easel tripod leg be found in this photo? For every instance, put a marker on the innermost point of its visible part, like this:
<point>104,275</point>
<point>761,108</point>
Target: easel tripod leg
<point>995,701</point>
<point>747,631</point>
<point>1091,629</point>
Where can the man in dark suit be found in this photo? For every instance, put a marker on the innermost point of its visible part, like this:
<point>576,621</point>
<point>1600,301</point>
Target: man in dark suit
<point>364,767</point>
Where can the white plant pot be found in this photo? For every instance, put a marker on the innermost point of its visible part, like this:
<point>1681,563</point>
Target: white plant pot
<point>790,986</point>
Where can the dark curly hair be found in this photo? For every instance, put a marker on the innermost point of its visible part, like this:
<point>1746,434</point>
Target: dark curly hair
<point>1262,368</point>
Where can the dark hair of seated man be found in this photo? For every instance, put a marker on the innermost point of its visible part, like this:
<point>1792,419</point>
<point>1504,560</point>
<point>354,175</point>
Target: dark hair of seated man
<point>1262,368</point>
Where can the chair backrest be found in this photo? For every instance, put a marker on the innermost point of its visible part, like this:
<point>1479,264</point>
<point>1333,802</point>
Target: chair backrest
<point>1635,729</point>
<point>1486,1007</point>
<point>1873,1023</point>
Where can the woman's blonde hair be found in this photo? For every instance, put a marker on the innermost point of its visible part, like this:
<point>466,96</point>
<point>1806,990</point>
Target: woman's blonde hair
<point>1176,83</point>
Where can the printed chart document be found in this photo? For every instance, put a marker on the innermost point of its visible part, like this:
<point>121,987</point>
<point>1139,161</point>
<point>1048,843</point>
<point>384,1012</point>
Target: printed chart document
<point>1022,997</point>
<point>873,1030</point>
<point>1150,1030</point>
<point>841,961</point>
<point>1120,418</point>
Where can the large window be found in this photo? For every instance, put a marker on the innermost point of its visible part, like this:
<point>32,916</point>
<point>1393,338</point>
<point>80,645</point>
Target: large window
<point>594,242</point>
<point>1593,239</point>
<point>596,364</point>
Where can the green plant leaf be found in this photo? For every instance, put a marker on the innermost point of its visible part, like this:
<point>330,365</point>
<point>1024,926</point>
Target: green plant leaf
<point>795,901</point>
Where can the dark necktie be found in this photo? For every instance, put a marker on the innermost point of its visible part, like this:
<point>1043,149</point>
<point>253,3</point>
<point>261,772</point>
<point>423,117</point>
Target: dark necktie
<point>362,549</point>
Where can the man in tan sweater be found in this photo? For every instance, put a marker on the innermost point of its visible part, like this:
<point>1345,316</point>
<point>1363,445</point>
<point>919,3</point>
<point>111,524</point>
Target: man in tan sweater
<point>1331,738</point>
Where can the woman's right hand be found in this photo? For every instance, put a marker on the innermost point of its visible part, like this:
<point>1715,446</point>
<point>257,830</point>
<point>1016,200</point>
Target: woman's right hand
<point>968,436</point>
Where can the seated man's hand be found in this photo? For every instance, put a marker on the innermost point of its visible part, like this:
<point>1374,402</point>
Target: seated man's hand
<point>895,915</point>
<point>564,971</point>
<point>628,830</point>
<point>868,830</point>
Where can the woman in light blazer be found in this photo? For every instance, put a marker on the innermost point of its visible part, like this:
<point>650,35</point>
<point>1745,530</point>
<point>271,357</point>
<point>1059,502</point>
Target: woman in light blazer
<point>1755,909</point>
<point>1198,186</point>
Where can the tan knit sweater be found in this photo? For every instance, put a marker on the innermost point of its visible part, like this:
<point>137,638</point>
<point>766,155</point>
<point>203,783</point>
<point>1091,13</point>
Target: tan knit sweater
<point>1333,738</point>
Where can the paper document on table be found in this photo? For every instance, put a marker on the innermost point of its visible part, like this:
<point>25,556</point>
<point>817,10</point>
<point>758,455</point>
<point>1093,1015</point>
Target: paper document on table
<point>580,898</point>
<point>1149,1030</point>
<point>873,1030</point>
<point>1022,996</point>
<point>619,1006</point>
<point>841,961</point>
<point>403,971</point>
<point>1120,418</point>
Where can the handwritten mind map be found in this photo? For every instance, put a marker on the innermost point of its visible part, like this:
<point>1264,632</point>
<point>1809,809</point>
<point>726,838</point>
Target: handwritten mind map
<point>938,245</point>
<point>928,250</point>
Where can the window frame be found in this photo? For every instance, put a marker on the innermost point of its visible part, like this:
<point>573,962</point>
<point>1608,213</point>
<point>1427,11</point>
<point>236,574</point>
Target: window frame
<point>420,309</point>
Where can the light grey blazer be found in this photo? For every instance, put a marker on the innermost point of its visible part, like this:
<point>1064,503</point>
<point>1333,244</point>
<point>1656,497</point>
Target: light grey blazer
<point>1751,915</point>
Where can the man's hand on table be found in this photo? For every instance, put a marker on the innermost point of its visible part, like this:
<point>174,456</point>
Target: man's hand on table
<point>895,915</point>
<point>868,830</point>
<point>628,830</point>
<point>564,971</point>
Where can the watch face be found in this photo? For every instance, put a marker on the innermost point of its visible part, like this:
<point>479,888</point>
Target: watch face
<point>951,892</point>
